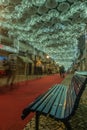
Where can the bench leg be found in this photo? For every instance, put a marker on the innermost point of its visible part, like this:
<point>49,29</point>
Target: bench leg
<point>37,121</point>
<point>67,125</point>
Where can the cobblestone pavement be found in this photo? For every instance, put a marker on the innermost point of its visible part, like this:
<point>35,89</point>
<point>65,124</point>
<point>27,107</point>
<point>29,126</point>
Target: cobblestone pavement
<point>78,121</point>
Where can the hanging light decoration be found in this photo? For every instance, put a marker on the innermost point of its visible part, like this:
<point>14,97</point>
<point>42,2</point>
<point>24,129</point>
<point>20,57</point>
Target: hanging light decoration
<point>52,26</point>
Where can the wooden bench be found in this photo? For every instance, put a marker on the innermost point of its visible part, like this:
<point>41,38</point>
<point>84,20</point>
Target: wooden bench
<point>59,102</point>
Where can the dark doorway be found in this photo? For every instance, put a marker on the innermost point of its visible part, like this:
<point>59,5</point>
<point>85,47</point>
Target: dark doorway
<point>29,68</point>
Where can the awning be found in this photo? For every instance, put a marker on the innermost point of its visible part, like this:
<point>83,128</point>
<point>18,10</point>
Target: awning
<point>25,59</point>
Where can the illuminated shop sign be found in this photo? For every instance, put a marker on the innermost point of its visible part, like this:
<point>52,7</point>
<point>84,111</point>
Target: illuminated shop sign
<point>1,46</point>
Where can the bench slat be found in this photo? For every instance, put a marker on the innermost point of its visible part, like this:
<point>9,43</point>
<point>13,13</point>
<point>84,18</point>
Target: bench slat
<point>70,99</point>
<point>51,99</point>
<point>47,95</point>
<point>78,82</point>
<point>61,104</point>
<point>55,105</point>
<point>50,103</point>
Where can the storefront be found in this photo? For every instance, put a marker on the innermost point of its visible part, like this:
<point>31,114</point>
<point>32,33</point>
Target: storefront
<point>25,65</point>
<point>3,55</point>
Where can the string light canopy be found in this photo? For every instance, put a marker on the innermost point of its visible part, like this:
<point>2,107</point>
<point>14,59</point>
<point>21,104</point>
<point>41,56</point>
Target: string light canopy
<point>52,26</point>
